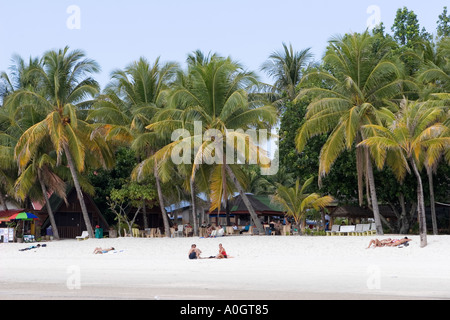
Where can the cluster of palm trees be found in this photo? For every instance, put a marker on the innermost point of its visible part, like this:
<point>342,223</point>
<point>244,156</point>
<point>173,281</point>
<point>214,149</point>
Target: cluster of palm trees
<point>55,122</point>
<point>368,101</point>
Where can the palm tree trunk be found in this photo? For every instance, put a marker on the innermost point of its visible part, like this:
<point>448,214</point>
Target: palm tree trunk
<point>432,202</point>
<point>420,206</point>
<point>373,194</point>
<point>144,214</point>
<point>3,202</point>
<point>74,173</point>
<point>194,207</point>
<point>161,202</point>
<point>253,214</point>
<point>49,208</point>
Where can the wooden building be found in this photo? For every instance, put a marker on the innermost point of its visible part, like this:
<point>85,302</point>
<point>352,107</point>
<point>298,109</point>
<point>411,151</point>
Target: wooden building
<point>68,216</point>
<point>240,215</point>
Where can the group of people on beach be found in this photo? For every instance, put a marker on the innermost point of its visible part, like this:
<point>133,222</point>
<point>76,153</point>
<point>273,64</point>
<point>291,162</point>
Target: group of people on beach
<point>194,253</point>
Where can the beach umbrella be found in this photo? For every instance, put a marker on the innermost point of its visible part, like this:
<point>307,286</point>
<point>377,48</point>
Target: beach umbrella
<point>23,216</point>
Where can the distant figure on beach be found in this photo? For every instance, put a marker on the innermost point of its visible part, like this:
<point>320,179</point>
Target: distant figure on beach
<point>222,253</point>
<point>102,251</point>
<point>194,253</point>
<point>388,242</point>
<point>246,228</point>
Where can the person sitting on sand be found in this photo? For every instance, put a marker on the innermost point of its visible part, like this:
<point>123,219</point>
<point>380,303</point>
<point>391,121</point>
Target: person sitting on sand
<point>102,251</point>
<point>194,253</point>
<point>222,253</point>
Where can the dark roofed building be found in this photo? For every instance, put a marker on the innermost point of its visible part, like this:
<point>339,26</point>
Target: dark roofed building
<point>69,217</point>
<point>240,214</point>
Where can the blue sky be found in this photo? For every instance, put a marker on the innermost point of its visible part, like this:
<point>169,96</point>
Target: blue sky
<point>115,33</point>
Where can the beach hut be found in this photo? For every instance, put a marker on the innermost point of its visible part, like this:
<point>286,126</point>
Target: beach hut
<point>240,215</point>
<point>69,217</point>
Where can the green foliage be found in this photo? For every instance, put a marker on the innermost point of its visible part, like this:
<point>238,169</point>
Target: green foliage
<point>443,29</point>
<point>406,28</point>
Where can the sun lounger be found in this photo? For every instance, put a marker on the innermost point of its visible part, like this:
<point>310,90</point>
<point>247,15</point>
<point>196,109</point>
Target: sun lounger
<point>366,229</point>
<point>372,230</point>
<point>346,230</point>
<point>358,230</point>
<point>84,236</point>
<point>334,230</point>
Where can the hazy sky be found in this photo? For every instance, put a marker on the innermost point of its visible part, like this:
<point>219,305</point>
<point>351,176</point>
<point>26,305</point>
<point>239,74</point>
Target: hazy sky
<point>115,33</point>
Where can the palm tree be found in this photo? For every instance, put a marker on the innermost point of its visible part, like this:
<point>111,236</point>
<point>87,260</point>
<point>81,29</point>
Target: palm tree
<point>65,85</point>
<point>412,136</point>
<point>287,67</point>
<point>296,202</point>
<point>128,105</point>
<point>361,75</point>
<point>212,96</point>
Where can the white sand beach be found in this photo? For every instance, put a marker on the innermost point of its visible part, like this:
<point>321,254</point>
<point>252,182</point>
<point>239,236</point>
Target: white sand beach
<point>262,268</point>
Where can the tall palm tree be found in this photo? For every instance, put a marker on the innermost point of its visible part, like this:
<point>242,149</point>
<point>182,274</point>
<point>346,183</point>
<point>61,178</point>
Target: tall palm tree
<point>128,105</point>
<point>65,87</point>
<point>287,67</point>
<point>361,75</point>
<point>296,202</point>
<point>412,136</point>
<point>213,95</point>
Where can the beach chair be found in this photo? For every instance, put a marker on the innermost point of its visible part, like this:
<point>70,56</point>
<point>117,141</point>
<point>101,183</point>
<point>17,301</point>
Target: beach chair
<point>358,230</point>
<point>249,232</point>
<point>346,230</point>
<point>366,229</point>
<point>180,230</point>
<point>372,230</point>
<point>84,236</point>
<point>334,230</point>
<point>135,232</point>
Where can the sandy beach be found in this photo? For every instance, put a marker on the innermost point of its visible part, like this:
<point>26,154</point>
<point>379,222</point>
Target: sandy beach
<point>262,268</point>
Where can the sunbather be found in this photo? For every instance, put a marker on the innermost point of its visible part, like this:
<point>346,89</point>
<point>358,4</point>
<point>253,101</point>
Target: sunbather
<point>388,242</point>
<point>102,251</point>
<point>33,247</point>
<point>379,243</point>
<point>194,253</point>
<point>399,242</point>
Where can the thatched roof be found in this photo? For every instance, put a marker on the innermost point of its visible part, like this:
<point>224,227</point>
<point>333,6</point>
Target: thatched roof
<point>360,212</point>
<point>261,204</point>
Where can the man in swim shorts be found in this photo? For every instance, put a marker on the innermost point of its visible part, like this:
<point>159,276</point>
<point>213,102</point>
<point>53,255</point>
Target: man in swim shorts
<point>194,253</point>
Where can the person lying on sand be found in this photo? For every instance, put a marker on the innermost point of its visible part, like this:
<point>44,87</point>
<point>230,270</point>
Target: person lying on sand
<point>388,242</point>
<point>399,242</point>
<point>194,253</point>
<point>379,243</point>
<point>102,251</point>
<point>33,247</point>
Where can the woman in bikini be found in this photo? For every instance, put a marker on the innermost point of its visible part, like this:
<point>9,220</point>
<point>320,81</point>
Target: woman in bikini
<point>379,243</point>
<point>222,253</point>
<point>102,251</point>
<point>398,242</point>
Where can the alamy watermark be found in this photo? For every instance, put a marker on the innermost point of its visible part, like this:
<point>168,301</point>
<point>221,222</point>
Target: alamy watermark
<point>374,279</point>
<point>374,19</point>
<point>212,146</point>
<point>74,279</point>
<point>73,22</point>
